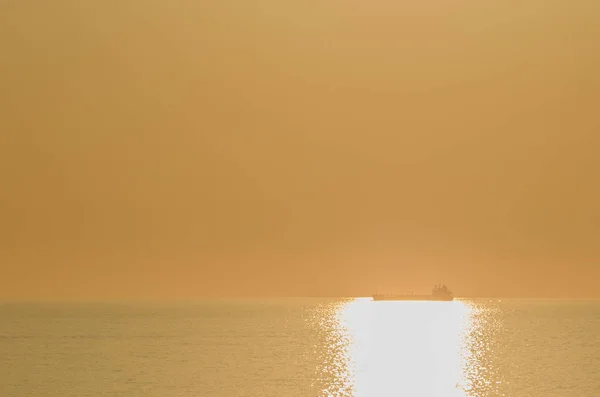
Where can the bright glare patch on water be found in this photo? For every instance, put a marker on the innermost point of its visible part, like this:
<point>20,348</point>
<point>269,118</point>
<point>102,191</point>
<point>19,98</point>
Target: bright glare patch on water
<point>403,349</point>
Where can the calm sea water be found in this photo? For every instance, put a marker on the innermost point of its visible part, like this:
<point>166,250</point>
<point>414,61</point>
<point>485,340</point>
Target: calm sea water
<point>301,348</point>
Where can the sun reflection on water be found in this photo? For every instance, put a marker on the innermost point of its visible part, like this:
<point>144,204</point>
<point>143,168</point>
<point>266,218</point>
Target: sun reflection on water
<point>403,349</point>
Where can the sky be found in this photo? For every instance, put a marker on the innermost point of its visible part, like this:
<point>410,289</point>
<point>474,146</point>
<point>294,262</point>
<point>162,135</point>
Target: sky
<point>299,148</point>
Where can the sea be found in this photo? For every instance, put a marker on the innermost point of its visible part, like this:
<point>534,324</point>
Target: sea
<point>301,348</point>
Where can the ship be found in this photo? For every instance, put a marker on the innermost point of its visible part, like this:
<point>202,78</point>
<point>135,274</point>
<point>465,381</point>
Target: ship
<point>438,293</point>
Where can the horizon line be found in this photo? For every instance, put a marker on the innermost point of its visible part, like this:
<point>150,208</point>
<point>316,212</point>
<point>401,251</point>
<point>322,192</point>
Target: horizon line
<point>258,297</point>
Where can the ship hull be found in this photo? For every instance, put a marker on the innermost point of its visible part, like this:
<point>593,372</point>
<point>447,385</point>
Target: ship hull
<point>412,298</point>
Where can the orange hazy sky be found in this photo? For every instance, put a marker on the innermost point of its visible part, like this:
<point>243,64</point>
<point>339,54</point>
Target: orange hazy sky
<point>266,147</point>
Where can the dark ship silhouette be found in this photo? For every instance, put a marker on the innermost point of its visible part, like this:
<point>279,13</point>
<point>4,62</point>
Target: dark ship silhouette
<point>438,293</point>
